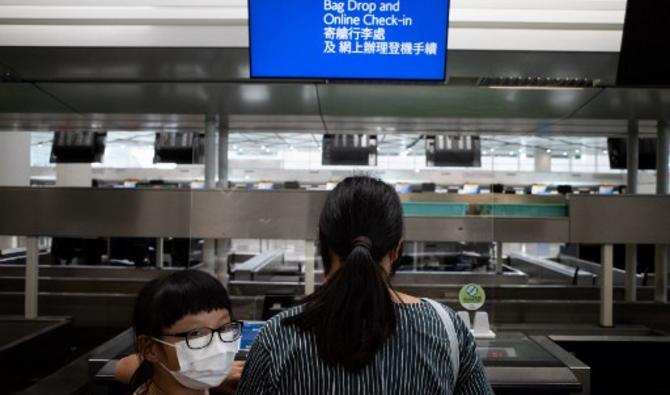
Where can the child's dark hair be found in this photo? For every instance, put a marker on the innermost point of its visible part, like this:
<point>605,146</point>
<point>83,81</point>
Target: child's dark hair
<point>165,300</point>
<point>352,314</point>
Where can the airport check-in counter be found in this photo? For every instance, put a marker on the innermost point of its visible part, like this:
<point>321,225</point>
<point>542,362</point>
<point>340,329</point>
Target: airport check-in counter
<point>254,215</point>
<point>515,364</point>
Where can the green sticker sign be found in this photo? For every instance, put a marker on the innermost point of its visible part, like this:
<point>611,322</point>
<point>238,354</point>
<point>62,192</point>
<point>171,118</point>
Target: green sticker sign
<point>472,297</point>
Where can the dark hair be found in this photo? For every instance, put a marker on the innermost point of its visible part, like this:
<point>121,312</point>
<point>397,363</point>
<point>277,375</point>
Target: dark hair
<point>352,314</point>
<point>165,300</point>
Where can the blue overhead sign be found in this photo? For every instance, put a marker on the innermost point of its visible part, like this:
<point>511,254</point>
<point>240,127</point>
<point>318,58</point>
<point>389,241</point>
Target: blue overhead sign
<point>349,39</point>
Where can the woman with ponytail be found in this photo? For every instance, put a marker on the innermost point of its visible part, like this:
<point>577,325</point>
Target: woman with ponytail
<point>355,334</point>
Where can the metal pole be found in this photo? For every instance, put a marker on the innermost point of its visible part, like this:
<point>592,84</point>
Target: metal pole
<point>663,152</point>
<point>633,157</point>
<point>223,246</point>
<point>223,157</point>
<point>631,272</point>
<point>661,274</point>
<point>160,258</point>
<point>499,257</point>
<point>32,277</point>
<point>211,133</point>
<point>662,188</point>
<point>606,287</point>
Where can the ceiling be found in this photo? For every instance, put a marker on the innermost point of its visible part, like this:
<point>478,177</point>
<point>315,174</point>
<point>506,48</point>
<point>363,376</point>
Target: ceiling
<point>114,85</point>
<point>140,89</point>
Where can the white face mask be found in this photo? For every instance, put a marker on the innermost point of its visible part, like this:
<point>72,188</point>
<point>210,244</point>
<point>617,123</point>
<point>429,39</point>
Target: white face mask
<point>204,368</point>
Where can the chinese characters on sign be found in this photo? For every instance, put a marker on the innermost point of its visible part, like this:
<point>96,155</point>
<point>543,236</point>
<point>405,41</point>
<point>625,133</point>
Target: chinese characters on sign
<point>369,35</point>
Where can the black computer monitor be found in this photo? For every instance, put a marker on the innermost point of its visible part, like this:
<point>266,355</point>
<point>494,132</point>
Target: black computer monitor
<point>351,150</point>
<point>618,153</point>
<point>453,151</point>
<point>497,188</point>
<point>187,148</point>
<point>81,251</point>
<point>137,251</point>
<point>78,147</point>
<point>428,187</point>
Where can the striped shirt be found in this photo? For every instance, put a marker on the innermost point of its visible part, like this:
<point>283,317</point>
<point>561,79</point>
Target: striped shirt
<point>414,360</point>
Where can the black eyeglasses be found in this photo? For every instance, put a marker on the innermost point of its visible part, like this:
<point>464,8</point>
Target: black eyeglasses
<point>202,337</point>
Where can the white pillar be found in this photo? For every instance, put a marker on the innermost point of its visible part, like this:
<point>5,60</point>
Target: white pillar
<point>542,160</point>
<point>223,246</point>
<point>606,287</point>
<point>633,157</point>
<point>223,157</point>
<point>211,133</point>
<point>14,170</point>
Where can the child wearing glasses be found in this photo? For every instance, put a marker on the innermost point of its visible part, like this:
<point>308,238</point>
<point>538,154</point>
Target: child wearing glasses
<point>185,339</point>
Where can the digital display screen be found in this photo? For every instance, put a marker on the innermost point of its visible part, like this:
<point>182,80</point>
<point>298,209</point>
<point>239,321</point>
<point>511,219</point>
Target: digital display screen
<point>606,190</point>
<point>250,331</point>
<point>349,39</point>
<point>470,189</point>
<point>539,189</point>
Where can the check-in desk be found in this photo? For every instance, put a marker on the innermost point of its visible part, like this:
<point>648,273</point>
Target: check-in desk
<point>519,364</point>
<point>514,362</point>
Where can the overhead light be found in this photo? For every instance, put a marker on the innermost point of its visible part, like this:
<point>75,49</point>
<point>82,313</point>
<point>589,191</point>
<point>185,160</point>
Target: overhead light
<point>511,153</point>
<point>605,152</point>
<point>537,88</point>
<point>536,83</point>
<point>255,93</point>
<point>565,154</point>
<point>549,150</point>
<point>493,150</point>
<point>234,147</point>
<point>166,166</point>
<point>578,151</point>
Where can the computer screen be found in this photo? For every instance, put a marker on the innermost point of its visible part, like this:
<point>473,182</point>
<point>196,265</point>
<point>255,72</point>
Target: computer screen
<point>606,190</point>
<point>264,186</point>
<point>539,189</point>
<point>250,331</point>
<point>470,189</point>
<point>349,150</point>
<point>78,147</point>
<point>453,151</point>
<point>617,149</point>
<point>403,188</point>
<point>349,39</point>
